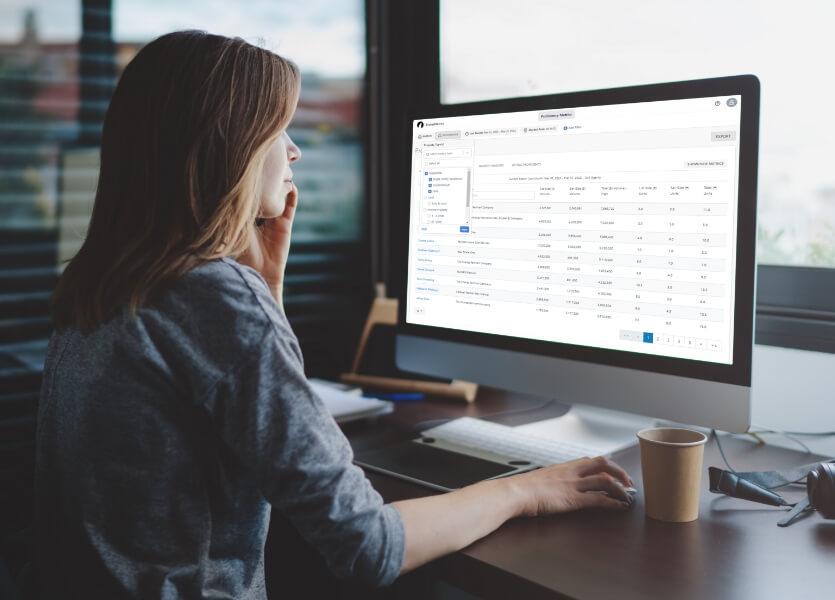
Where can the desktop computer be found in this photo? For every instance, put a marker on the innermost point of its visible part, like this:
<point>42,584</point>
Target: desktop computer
<point>594,247</point>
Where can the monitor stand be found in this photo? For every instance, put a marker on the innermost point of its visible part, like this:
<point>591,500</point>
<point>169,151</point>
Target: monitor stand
<point>603,430</point>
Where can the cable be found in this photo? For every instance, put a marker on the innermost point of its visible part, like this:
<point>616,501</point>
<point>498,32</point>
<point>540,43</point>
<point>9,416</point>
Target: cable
<point>802,444</point>
<point>785,434</point>
<point>722,451</point>
<point>763,429</point>
<point>789,435</point>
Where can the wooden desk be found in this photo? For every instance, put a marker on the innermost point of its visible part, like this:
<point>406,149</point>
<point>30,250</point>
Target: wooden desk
<point>735,549</point>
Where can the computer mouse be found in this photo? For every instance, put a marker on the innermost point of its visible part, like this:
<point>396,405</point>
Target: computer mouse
<point>630,491</point>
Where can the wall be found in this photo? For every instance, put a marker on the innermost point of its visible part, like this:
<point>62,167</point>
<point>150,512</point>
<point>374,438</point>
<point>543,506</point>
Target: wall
<point>793,390</point>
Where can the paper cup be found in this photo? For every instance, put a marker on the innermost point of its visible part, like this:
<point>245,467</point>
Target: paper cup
<point>671,465</point>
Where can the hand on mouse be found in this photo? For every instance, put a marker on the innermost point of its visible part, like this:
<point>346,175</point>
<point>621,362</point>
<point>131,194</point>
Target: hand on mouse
<point>584,483</point>
<point>438,525</point>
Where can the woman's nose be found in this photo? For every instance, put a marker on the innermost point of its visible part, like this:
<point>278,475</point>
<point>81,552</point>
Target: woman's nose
<point>293,152</point>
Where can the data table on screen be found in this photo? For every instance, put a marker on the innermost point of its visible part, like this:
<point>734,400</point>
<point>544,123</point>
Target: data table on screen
<point>609,226</point>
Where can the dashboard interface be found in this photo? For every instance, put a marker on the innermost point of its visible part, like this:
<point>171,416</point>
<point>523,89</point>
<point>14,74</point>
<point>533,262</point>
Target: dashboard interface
<point>604,226</point>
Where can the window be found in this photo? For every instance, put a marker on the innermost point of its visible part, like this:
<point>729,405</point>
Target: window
<point>491,49</point>
<point>39,116</point>
<point>40,100</point>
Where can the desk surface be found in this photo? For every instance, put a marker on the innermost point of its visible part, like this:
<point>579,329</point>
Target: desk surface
<point>735,549</point>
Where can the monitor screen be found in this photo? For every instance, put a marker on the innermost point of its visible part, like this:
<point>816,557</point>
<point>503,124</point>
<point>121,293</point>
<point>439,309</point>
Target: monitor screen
<point>610,227</point>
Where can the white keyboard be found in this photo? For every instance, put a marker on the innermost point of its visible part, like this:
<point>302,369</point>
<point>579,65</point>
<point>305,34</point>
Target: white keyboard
<point>505,442</point>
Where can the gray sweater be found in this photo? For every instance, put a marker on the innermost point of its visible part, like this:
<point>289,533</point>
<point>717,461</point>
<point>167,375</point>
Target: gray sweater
<point>164,438</point>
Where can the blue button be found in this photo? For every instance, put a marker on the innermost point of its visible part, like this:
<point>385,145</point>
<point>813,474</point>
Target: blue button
<point>430,185</point>
<point>464,229</point>
<point>430,179</point>
<point>647,337</point>
<point>426,172</point>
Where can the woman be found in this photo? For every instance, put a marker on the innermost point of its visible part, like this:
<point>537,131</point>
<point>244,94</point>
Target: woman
<point>174,410</point>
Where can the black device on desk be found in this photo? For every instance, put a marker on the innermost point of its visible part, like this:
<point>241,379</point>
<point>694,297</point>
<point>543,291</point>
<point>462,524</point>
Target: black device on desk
<point>433,467</point>
<point>760,486</point>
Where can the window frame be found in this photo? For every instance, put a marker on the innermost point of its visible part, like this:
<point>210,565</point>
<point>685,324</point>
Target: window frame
<point>796,307</point>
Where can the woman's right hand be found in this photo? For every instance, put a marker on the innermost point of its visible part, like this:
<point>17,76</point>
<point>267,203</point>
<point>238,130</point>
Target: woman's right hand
<point>584,483</point>
<point>438,525</point>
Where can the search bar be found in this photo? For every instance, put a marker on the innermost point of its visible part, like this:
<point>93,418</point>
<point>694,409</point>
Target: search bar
<point>450,153</point>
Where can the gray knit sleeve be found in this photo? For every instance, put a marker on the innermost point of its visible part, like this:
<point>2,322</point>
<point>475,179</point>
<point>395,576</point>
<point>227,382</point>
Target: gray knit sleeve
<point>271,419</point>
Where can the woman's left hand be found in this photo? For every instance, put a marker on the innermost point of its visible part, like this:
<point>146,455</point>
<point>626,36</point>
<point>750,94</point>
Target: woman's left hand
<point>268,249</point>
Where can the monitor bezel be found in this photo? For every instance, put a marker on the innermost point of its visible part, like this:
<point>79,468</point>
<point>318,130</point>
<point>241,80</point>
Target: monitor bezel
<point>739,371</point>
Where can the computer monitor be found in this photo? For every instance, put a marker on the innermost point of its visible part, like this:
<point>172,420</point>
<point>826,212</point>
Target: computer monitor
<point>595,247</point>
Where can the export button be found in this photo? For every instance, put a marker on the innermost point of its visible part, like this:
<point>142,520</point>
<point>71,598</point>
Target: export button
<point>722,136</point>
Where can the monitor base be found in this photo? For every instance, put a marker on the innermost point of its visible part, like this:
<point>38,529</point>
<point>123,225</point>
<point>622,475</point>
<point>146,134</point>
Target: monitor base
<point>603,430</point>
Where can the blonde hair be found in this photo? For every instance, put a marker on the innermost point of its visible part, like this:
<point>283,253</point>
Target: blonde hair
<point>183,147</point>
